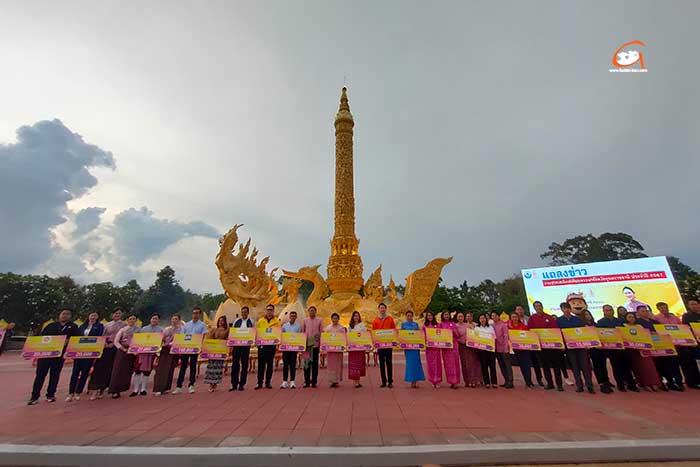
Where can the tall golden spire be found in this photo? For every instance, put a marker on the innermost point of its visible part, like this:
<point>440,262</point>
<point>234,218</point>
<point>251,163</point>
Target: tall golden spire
<point>344,264</point>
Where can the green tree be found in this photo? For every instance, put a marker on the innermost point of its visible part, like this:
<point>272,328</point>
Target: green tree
<point>690,287</point>
<point>164,297</point>
<point>102,297</point>
<point>680,271</point>
<point>589,248</point>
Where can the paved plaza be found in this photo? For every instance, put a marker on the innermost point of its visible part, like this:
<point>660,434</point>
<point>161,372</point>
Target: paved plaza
<point>346,416</point>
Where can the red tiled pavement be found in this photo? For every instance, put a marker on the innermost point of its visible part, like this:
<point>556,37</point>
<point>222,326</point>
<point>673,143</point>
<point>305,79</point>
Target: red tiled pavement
<point>369,416</point>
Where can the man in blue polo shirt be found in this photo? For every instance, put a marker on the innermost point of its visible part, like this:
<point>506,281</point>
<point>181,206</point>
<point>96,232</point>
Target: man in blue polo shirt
<point>578,358</point>
<point>195,326</point>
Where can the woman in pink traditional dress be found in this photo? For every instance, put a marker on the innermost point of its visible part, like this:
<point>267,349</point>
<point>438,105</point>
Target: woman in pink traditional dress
<point>473,376</point>
<point>356,359</point>
<point>432,355</point>
<point>123,361</point>
<point>450,357</point>
<point>334,360</point>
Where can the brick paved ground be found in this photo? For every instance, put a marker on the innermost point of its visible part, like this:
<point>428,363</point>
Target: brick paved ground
<point>339,417</point>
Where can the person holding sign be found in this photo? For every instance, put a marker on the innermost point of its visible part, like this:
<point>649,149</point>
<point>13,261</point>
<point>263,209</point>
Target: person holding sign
<point>266,353</point>
<point>523,357</point>
<point>334,360</point>
<point>81,366</point>
<point>143,365</point>
<point>621,371</point>
<point>166,362</point>
<point>384,321</point>
<point>215,367</point>
<point>414,368</point>
<point>123,361</point>
<point>644,370</point>
<point>686,354</point>
<point>356,358</point>
<point>313,327</point>
<point>194,326</point>
<point>101,374</point>
<point>433,357</point>
<point>578,358</point>
<point>550,358</point>
<point>668,367</point>
<point>500,328</point>
<point>450,357</point>
<point>52,366</point>
<point>240,354</point>
<point>289,358</point>
<point>487,358</point>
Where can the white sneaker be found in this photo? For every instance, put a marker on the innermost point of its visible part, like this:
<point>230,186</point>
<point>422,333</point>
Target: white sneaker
<point>284,385</point>
<point>293,385</point>
<point>190,389</point>
<point>568,382</point>
<point>177,391</point>
<point>158,393</point>
<point>76,397</point>
<point>69,398</point>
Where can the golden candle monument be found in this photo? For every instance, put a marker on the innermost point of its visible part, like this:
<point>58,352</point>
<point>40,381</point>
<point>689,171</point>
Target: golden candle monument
<point>248,283</point>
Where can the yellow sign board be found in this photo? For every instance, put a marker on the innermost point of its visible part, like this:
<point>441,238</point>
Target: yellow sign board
<point>43,346</point>
<point>334,342</point>
<point>85,347</point>
<point>411,339</point>
<point>146,342</point>
<point>293,342</point>
<point>524,340</point>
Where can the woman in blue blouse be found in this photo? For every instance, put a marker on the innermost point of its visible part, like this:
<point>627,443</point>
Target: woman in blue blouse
<point>414,368</point>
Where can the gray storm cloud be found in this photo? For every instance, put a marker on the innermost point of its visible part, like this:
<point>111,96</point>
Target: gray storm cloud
<point>138,235</point>
<point>48,166</point>
<point>86,220</point>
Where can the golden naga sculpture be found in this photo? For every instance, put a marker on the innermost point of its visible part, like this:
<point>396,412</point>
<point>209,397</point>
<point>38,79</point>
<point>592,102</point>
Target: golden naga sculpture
<point>248,283</point>
<point>244,280</point>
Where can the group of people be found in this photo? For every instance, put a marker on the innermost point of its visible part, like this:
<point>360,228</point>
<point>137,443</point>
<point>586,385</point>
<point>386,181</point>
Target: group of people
<point>117,370</point>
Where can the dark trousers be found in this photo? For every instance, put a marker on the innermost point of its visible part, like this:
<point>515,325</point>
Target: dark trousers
<point>386,368</point>
<point>689,365</point>
<point>311,372</point>
<point>488,367</point>
<point>621,370</point>
<point>51,367</point>
<point>266,361</point>
<point>79,376</point>
<point>551,362</point>
<point>578,359</point>
<point>564,364</point>
<point>669,369</point>
<point>537,366</point>
<point>506,366</point>
<point>289,365</point>
<point>239,366</point>
<point>185,361</point>
<point>524,359</point>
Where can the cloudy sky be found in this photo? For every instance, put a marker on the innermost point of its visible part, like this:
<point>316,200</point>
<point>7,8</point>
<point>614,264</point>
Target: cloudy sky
<point>133,134</point>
